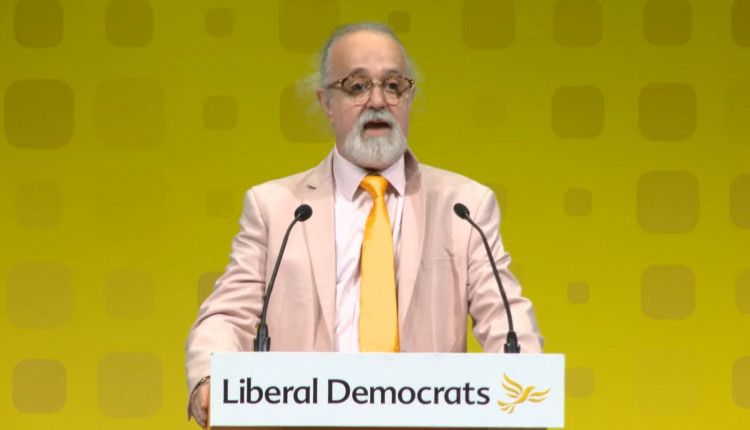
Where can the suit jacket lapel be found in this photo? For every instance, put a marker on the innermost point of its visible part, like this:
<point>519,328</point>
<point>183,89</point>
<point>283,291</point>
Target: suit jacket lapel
<point>320,235</point>
<point>412,236</point>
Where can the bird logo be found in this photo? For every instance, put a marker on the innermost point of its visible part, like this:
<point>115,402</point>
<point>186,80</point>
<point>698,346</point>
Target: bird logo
<point>519,394</point>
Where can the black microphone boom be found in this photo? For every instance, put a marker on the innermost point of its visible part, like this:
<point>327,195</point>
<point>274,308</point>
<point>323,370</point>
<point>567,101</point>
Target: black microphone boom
<point>262,342</point>
<point>511,344</point>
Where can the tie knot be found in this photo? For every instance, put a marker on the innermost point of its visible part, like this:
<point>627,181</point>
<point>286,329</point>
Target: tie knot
<point>375,185</point>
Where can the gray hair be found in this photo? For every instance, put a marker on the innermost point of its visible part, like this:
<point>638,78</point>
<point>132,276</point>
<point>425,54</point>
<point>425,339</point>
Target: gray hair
<point>371,26</point>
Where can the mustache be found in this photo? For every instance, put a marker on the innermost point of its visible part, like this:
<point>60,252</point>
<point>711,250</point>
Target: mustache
<point>375,115</point>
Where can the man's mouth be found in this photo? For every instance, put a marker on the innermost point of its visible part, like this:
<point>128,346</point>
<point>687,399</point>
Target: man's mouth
<point>376,125</point>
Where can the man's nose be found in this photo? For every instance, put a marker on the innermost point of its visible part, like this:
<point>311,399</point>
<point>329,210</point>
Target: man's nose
<point>377,99</point>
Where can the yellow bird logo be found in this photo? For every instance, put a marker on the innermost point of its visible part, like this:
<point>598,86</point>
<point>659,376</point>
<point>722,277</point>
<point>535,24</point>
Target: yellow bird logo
<point>519,394</point>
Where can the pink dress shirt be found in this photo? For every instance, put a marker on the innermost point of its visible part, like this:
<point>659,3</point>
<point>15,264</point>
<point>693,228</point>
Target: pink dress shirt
<point>352,206</point>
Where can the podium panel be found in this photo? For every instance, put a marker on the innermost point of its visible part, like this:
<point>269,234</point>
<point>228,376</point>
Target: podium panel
<point>284,389</point>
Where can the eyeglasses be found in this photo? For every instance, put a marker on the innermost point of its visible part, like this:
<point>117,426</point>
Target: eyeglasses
<point>359,88</point>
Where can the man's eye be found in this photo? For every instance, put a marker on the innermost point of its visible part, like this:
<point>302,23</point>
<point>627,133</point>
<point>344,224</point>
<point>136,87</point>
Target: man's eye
<point>357,87</point>
<point>392,86</point>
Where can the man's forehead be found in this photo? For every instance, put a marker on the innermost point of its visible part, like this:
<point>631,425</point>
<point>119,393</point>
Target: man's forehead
<point>366,72</point>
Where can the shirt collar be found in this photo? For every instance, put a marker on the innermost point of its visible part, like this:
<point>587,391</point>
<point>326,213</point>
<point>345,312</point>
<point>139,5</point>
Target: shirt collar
<point>347,176</point>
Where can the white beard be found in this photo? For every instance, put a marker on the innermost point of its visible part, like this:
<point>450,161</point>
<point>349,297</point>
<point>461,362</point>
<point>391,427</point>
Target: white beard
<point>377,152</point>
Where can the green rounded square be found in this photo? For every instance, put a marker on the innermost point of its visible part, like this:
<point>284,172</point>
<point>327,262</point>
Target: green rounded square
<point>39,294</point>
<point>741,382</point>
<point>741,22</point>
<point>667,111</point>
<point>578,112</point>
<point>129,23</point>
<point>667,292</point>
<point>39,386</point>
<point>667,202</point>
<point>39,113</point>
<point>578,202</point>
<point>578,23</point>
<point>38,23</point>
<point>219,22</point>
<point>130,294</point>
<point>579,382</point>
<point>130,385</point>
<point>739,201</point>
<point>667,22</point>
<point>220,113</point>
<point>488,24</point>
<point>298,32</point>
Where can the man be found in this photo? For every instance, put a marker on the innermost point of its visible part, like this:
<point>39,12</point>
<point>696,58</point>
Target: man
<point>323,296</point>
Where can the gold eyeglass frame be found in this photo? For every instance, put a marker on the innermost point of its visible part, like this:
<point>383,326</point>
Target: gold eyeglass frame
<point>339,85</point>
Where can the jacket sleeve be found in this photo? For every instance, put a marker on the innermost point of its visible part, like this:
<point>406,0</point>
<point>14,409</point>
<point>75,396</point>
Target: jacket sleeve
<point>227,319</point>
<point>485,302</point>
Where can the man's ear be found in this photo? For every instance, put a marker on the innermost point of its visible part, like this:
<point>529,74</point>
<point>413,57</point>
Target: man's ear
<point>324,100</point>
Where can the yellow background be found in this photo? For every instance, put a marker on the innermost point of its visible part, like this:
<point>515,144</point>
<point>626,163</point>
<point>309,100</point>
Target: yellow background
<point>616,134</point>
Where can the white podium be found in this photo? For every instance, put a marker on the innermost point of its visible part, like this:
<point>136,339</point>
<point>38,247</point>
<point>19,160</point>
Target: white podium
<point>284,389</point>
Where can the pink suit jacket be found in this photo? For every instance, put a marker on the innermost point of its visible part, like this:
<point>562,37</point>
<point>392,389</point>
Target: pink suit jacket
<point>444,273</point>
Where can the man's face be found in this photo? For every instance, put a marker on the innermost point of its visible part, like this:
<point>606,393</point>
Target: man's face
<point>367,140</point>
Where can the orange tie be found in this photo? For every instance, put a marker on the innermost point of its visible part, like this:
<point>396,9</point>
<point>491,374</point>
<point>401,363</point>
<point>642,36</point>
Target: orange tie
<point>378,317</point>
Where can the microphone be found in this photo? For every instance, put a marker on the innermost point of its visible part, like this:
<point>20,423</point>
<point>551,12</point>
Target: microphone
<point>511,344</point>
<point>262,342</point>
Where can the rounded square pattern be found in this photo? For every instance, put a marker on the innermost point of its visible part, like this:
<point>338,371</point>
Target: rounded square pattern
<point>737,111</point>
<point>667,292</point>
<point>300,119</point>
<point>220,203</point>
<point>39,204</point>
<point>39,386</point>
<point>742,292</point>
<point>667,202</point>
<point>305,25</point>
<point>130,294</point>
<point>667,111</point>
<point>38,23</point>
<point>578,112</point>
<point>219,22</point>
<point>39,294</point>
<point>578,292</point>
<point>130,203</point>
<point>578,22</point>
<point>739,202</point>
<point>579,382</point>
<point>206,285</point>
<point>129,23</point>
<point>129,113</point>
<point>667,22</point>
<point>488,24</point>
<point>39,113</point>
<point>130,385</point>
<point>219,113</point>
<point>400,21</point>
<point>741,22</point>
<point>738,122</point>
<point>741,382</point>
<point>668,382</point>
<point>578,202</point>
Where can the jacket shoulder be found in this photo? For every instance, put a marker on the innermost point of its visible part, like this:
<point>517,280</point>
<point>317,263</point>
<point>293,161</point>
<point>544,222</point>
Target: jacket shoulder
<point>434,178</point>
<point>287,182</point>
<point>279,197</point>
